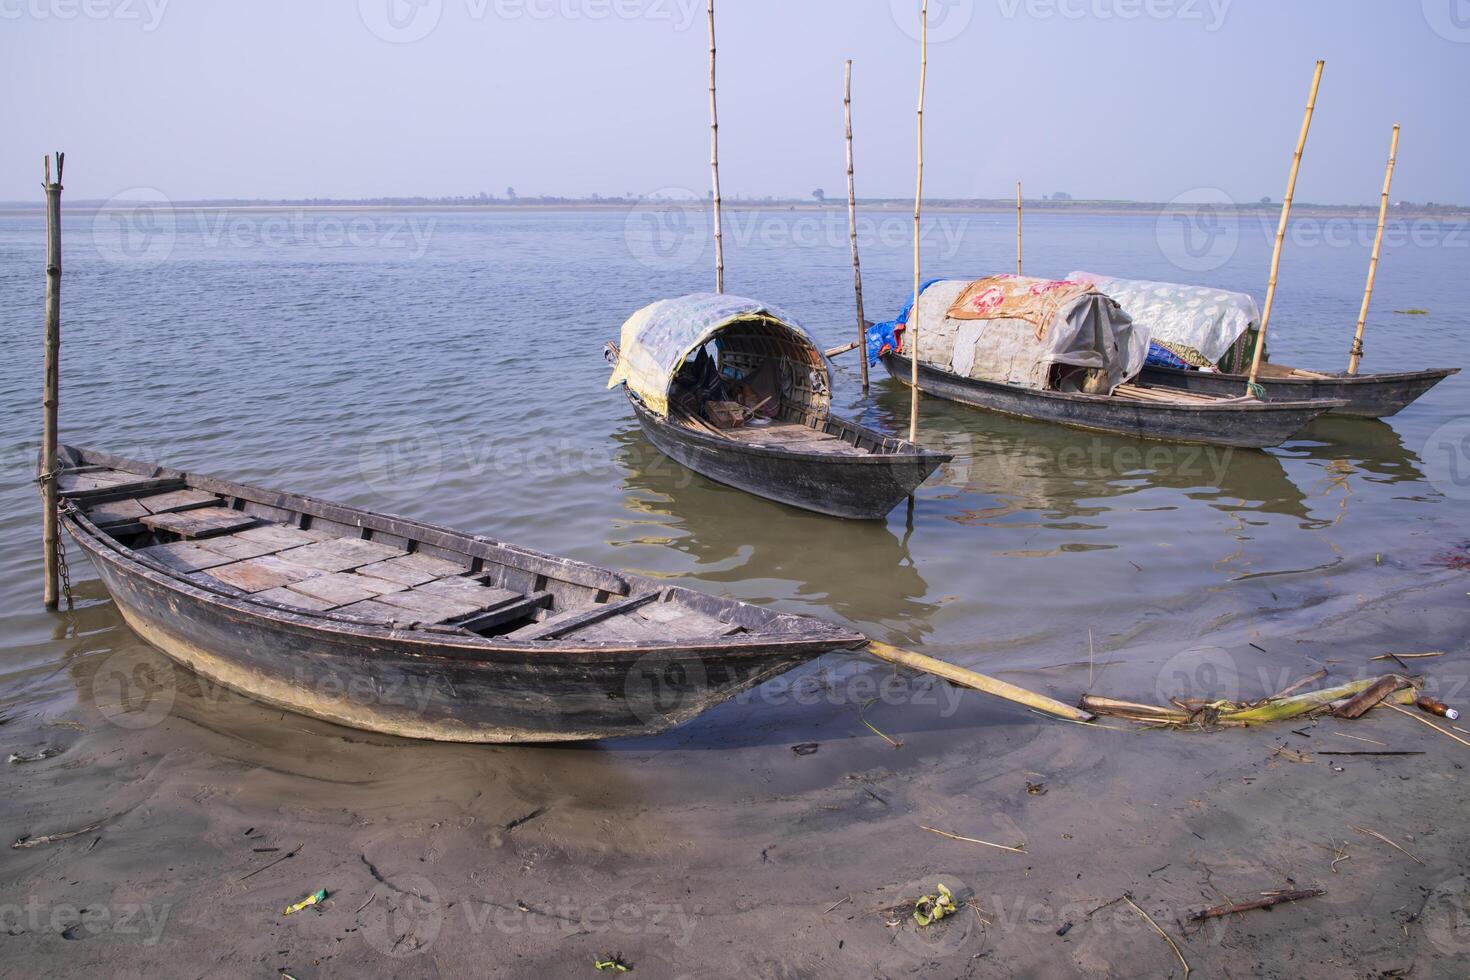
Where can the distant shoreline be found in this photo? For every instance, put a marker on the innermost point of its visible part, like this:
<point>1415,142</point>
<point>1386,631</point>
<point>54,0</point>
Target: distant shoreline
<point>945,205</point>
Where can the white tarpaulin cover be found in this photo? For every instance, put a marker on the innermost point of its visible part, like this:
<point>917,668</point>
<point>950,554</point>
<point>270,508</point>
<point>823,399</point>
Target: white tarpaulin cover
<point>1014,329</point>
<point>1199,318</point>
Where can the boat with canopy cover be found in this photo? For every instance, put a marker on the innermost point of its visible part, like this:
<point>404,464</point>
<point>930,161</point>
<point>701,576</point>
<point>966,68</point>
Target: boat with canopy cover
<point>1063,351</point>
<point>1203,340</point>
<point>737,391</point>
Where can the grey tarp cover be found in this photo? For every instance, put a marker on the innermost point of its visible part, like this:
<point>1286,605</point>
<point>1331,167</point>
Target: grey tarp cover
<point>1092,332</point>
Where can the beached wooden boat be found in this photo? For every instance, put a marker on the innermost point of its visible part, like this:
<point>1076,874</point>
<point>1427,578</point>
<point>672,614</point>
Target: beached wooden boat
<point>1366,395</point>
<point>396,626</point>
<point>785,444</point>
<point>1133,409</point>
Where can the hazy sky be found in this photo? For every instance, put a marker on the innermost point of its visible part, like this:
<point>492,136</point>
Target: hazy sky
<point>1139,99</point>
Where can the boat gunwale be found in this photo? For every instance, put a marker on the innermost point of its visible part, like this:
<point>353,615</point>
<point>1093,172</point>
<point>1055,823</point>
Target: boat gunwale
<point>1391,377</point>
<point>446,645</point>
<point>1242,403</point>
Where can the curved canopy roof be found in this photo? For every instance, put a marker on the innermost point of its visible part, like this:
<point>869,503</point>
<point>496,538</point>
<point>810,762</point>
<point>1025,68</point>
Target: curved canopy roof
<point>656,340</point>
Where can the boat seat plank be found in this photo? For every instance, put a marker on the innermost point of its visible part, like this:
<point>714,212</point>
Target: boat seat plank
<point>186,556</point>
<point>260,574</point>
<point>115,512</point>
<point>94,479</point>
<point>338,588</point>
<point>520,608</point>
<point>344,554</point>
<point>173,500</point>
<point>286,597</point>
<point>202,523</point>
<point>575,619</point>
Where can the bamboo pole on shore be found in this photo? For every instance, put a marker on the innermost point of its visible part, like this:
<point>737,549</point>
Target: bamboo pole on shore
<point>714,155</point>
<point>857,272</point>
<point>913,325</point>
<point>1018,227</point>
<point>1251,387</point>
<point>1356,354</point>
<point>50,523</point>
<point>977,681</point>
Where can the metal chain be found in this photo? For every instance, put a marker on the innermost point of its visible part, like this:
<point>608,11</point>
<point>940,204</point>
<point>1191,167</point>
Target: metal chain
<point>61,565</point>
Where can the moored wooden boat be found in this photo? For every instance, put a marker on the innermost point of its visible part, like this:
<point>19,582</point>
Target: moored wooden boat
<point>1201,327</point>
<point>790,448</point>
<point>397,626</point>
<point>1062,351</point>
<point>1366,395</point>
<point>1133,409</point>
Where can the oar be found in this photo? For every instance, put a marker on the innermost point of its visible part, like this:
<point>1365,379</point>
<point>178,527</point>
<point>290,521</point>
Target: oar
<point>980,682</point>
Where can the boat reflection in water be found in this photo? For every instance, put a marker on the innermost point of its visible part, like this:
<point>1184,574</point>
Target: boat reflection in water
<point>758,549</point>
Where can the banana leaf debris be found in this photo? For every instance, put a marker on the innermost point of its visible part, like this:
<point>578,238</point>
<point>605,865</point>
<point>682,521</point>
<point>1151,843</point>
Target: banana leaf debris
<point>1348,700</point>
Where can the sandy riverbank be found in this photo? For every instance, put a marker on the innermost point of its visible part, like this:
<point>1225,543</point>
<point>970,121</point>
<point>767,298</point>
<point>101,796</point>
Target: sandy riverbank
<point>717,850</point>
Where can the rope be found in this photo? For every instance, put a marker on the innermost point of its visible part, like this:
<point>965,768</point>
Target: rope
<point>1256,391</point>
<point>1357,350</point>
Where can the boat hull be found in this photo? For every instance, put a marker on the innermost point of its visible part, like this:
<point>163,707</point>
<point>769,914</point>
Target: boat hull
<point>859,487</point>
<point>1249,425</point>
<point>399,683</point>
<point>1366,395</point>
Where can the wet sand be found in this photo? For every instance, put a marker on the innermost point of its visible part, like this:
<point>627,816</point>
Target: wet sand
<point>719,850</point>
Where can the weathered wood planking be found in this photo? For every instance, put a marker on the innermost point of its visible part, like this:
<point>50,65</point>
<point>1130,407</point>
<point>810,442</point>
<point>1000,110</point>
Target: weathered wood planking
<point>297,600</point>
<point>510,612</point>
<point>173,500</point>
<point>575,619</point>
<point>202,523</point>
<point>393,570</point>
<point>344,554</point>
<point>185,556</point>
<point>430,608</point>
<point>280,536</point>
<point>265,572</point>
<point>237,548</point>
<point>338,589</point>
<point>116,512</point>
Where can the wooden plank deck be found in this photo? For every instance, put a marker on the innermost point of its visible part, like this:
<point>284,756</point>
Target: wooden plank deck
<point>202,523</point>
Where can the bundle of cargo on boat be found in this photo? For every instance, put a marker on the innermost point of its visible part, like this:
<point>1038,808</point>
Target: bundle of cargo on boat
<point>1203,339</point>
<point>1188,326</point>
<point>1037,333</point>
<point>736,390</point>
<point>1064,351</point>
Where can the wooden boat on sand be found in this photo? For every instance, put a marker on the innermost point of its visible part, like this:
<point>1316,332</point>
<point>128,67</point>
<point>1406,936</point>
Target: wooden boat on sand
<point>733,389</point>
<point>396,626</point>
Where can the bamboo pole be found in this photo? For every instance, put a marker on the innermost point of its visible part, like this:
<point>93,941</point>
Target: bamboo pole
<point>1296,162</point>
<point>1356,354</point>
<point>1018,227</point>
<point>50,524</point>
<point>714,155</point>
<point>913,325</point>
<point>857,272</point>
<point>980,682</point>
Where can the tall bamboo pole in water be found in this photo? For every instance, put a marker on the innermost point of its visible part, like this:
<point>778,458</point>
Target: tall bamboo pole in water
<point>857,272</point>
<point>1296,163</point>
<point>913,324</point>
<point>1357,352</point>
<point>50,527</point>
<point>1018,227</point>
<point>714,155</point>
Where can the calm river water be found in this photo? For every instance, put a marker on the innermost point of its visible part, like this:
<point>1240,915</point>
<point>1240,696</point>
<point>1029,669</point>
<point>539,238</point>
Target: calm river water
<point>447,365</point>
